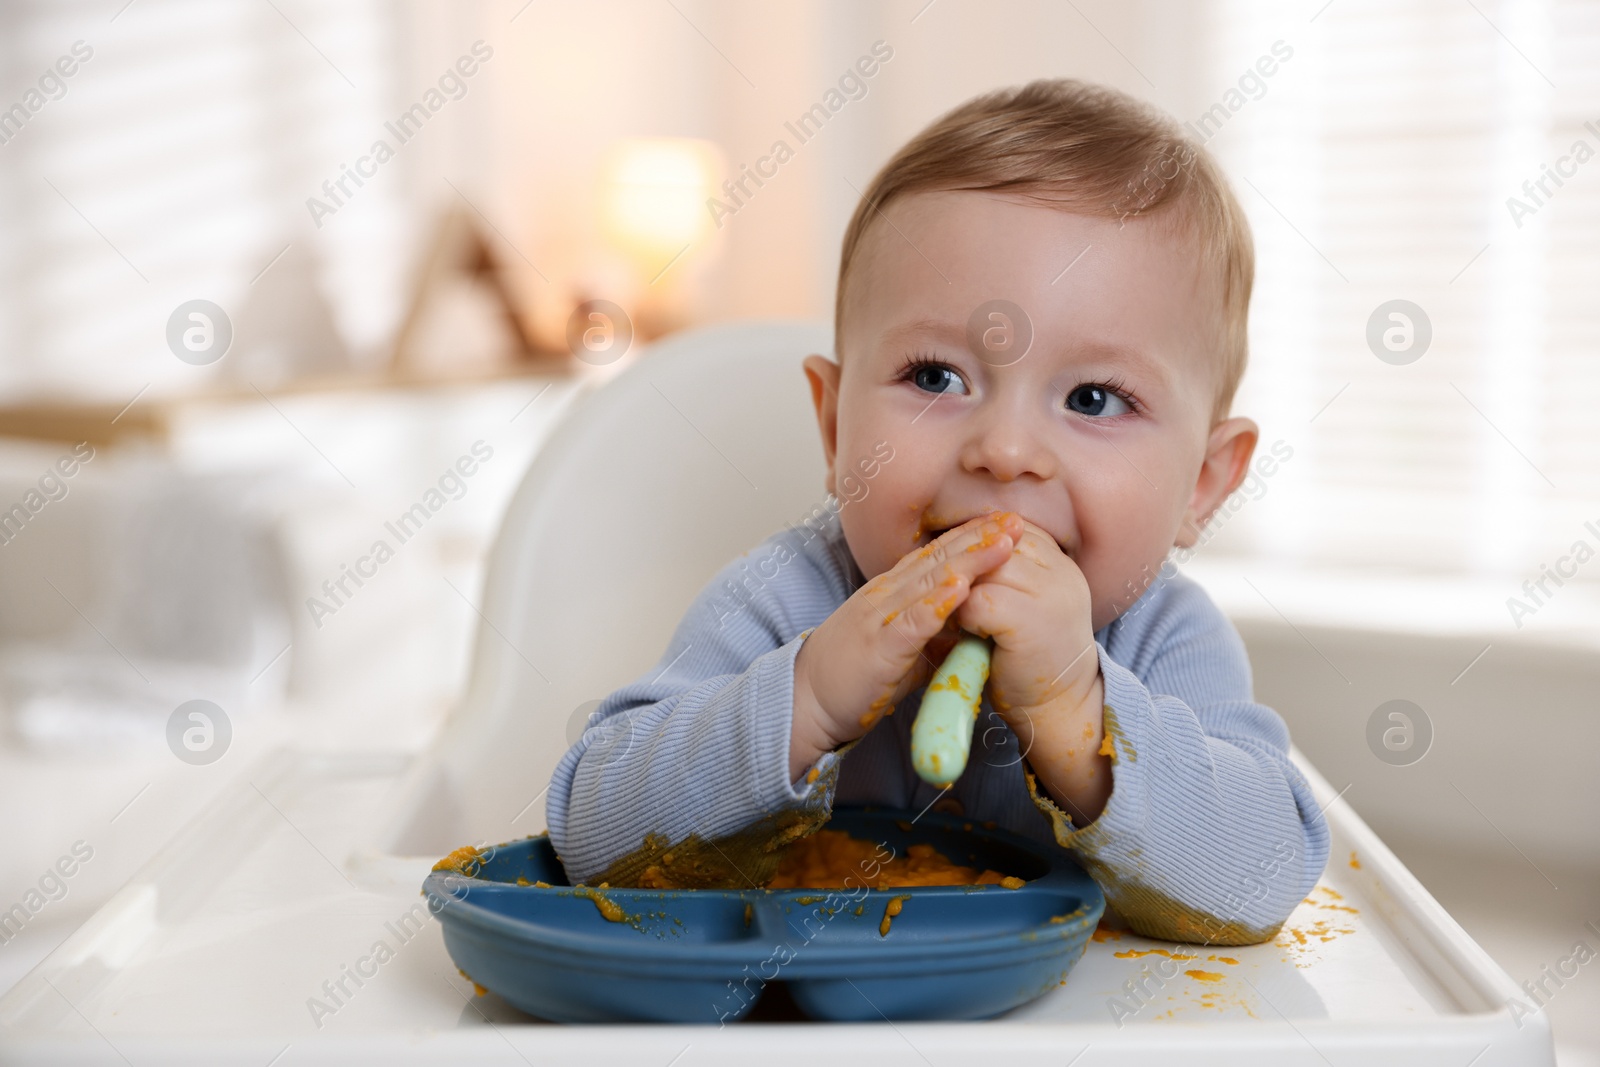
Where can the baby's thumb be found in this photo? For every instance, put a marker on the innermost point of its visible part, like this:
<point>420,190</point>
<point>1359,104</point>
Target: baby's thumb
<point>940,644</point>
<point>933,654</point>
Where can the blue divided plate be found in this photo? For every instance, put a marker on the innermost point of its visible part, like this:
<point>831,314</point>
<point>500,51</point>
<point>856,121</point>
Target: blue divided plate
<point>704,956</point>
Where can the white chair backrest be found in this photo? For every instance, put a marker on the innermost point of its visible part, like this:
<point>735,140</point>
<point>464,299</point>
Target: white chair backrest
<point>697,452</point>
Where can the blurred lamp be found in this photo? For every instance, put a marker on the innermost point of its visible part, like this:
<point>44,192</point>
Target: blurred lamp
<point>653,197</point>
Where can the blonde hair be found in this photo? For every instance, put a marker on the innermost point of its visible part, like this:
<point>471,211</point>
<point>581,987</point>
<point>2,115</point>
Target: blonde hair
<point>1084,148</point>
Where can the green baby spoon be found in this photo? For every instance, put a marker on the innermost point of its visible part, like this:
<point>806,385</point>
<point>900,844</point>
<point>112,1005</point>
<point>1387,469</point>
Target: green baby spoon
<point>941,736</point>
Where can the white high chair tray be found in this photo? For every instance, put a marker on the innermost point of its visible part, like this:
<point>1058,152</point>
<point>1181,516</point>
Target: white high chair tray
<point>231,944</point>
<point>214,952</point>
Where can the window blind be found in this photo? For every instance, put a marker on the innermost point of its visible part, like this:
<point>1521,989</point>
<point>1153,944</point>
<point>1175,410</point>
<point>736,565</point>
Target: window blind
<point>173,164</point>
<point>1378,165</point>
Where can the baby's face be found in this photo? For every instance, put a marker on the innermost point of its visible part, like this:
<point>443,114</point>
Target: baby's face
<point>1099,433</point>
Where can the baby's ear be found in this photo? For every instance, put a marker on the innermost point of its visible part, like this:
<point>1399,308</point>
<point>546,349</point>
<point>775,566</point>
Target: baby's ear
<point>1227,461</point>
<point>823,374</point>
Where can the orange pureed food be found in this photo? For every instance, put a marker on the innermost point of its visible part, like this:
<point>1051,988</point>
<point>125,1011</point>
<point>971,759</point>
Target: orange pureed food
<point>832,859</point>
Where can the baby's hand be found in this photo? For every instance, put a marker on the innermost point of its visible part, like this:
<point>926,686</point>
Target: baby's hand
<point>888,638</point>
<point>1036,607</point>
<point>1045,678</point>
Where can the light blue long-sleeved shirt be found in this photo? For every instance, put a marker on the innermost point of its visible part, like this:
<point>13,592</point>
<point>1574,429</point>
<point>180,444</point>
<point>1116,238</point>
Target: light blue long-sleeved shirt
<point>1210,834</point>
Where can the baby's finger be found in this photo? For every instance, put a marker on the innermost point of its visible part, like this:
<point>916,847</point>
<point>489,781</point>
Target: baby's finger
<point>956,558</point>
<point>965,552</point>
<point>933,653</point>
<point>902,609</point>
<point>989,606</point>
<point>898,638</point>
<point>975,534</point>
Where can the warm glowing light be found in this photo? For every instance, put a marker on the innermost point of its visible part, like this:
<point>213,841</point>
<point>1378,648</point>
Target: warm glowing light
<point>653,195</point>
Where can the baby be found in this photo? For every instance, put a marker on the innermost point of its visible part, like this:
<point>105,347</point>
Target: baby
<point>1040,326</point>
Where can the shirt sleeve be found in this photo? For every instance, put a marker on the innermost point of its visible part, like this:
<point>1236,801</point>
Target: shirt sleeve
<point>1211,835</point>
<point>681,778</point>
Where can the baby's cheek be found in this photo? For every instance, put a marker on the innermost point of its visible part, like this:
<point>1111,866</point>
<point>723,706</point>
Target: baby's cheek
<point>1108,594</point>
<point>885,521</point>
<point>874,551</point>
<point>850,489</point>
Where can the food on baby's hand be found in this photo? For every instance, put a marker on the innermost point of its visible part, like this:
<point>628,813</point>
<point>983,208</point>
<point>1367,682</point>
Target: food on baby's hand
<point>941,736</point>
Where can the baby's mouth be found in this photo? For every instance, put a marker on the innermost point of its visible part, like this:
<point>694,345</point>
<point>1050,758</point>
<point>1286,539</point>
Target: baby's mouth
<point>932,534</point>
<point>927,534</point>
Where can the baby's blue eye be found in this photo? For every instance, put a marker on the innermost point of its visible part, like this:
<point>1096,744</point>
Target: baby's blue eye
<point>936,378</point>
<point>1097,400</point>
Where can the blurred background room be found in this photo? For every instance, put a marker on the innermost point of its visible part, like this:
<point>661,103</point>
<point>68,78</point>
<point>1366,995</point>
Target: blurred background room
<point>272,269</point>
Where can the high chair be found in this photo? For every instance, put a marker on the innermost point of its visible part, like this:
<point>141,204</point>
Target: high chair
<point>698,450</point>
<point>696,453</point>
